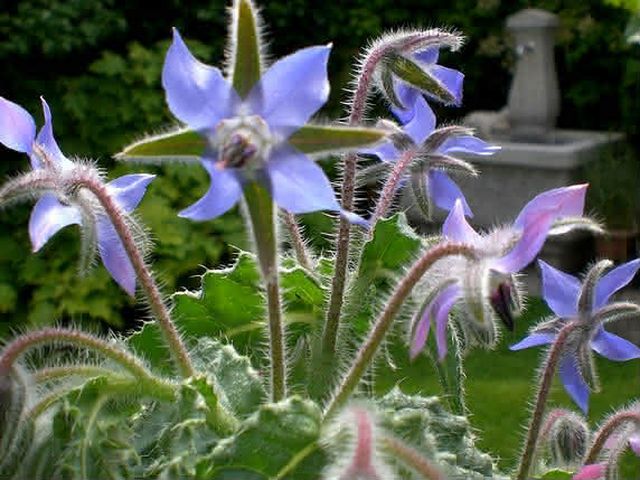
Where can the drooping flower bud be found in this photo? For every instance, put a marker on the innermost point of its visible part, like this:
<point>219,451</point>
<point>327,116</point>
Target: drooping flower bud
<point>568,439</point>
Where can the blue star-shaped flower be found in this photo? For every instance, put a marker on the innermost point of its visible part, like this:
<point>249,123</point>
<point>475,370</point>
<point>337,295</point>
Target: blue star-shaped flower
<point>562,292</point>
<point>248,136</point>
<point>55,210</point>
<point>500,253</point>
<point>442,190</point>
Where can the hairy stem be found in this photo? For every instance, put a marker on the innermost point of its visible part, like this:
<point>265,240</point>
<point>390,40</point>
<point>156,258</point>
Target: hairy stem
<point>149,286</point>
<point>546,379</point>
<point>297,240</point>
<point>391,186</point>
<point>261,214</point>
<point>616,421</point>
<point>79,339</point>
<point>336,299</point>
<point>384,321</point>
<point>412,458</point>
<point>54,373</point>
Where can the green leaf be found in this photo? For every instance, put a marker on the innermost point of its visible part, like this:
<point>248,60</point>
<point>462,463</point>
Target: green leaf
<point>414,75</point>
<point>556,474</point>
<point>279,437</point>
<point>230,305</point>
<point>325,139</point>
<point>182,144</point>
<point>246,54</point>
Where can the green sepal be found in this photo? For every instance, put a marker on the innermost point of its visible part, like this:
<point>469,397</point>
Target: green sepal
<point>246,62</point>
<point>181,144</point>
<point>279,441</point>
<point>417,76</point>
<point>326,139</point>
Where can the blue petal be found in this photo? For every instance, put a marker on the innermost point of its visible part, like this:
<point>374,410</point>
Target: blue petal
<point>386,152</point>
<point>423,121</point>
<point>439,308</point>
<point>224,193</point>
<point>614,281</point>
<point>450,79</point>
<point>534,222</point>
<point>292,90</point>
<point>533,340</point>
<point>428,55</point>
<point>456,227</point>
<point>114,256</point>
<point>468,144</point>
<point>46,139</point>
<point>614,347</point>
<point>48,217</point>
<point>298,184</point>
<point>17,128</point>
<point>444,192</point>
<point>407,96</point>
<point>197,94</point>
<point>442,307</point>
<point>355,219</point>
<point>573,382</point>
<point>560,290</point>
<point>128,190</point>
<point>634,443</point>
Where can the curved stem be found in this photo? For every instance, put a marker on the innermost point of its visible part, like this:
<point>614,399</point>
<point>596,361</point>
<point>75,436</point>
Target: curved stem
<point>383,323</point>
<point>546,379</point>
<point>297,240</point>
<point>391,186</point>
<point>412,458</point>
<point>601,436</point>
<point>54,373</point>
<point>261,214</point>
<point>152,292</point>
<point>25,342</point>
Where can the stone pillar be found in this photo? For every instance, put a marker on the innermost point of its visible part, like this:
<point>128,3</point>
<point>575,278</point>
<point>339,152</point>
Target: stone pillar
<point>534,98</point>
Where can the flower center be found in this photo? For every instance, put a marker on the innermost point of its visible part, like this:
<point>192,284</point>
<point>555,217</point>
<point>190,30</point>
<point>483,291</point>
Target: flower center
<point>242,142</point>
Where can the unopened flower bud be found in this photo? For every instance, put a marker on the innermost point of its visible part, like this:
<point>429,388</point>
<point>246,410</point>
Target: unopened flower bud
<point>568,439</point>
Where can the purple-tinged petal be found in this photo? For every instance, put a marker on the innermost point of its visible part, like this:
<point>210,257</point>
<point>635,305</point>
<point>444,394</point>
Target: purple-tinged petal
<point>614,281</point>
<point>407,96</point>
<point>457,228</point>
<point>614,347</point>
<point>564,201</point>
<point>533,340</point>
<point>386,152</point>
<point>48,217</point>
<point>423,121</point>
<point>114,256</point>
<point>442,307</point>
<point>197,94</point>
<point>17,128</point>
<point>128,190</point>
<point>355,219</point>
<point>292,90</point>
<point>573,382</point>
<point>428,55</point>
<point>594,471</point>
<point>534,222</point>
<point>439,309</point>
<point>298,184</point>
<point>46,139</point>
<point>560,290</point>
<point>444,192</point>
<point>224,192</point>
<point>468,144</point>
<point>634,443</point>
<point>450,79</point>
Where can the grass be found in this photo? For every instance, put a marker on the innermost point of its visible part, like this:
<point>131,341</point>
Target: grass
<point>500,385</point>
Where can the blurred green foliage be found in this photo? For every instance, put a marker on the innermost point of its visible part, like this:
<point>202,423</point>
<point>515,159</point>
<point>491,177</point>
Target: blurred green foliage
<point>98,64</point>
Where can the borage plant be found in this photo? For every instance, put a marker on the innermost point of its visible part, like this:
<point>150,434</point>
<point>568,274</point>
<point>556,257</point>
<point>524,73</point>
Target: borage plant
<point>268,371</point>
